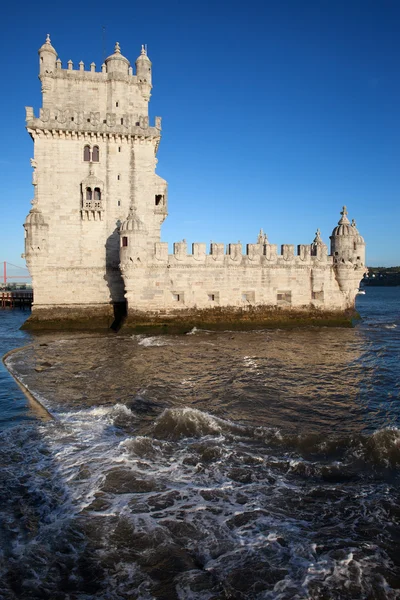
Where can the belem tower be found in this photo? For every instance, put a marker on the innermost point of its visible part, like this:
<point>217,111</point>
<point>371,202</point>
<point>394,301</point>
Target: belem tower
<point>92,236</point>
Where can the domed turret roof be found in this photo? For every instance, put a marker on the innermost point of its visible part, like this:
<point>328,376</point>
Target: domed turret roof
<point>47,47</point>
<point>143,56</point>
<point>132,222</point>
<point>34,217</point>
<point>344,227</point>
<point>117,55</point>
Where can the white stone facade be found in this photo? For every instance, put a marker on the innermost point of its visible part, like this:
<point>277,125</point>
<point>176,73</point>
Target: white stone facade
<point>93,233</point>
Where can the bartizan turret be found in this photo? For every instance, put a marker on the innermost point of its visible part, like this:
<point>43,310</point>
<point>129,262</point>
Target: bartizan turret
<point>348,252</point>
<point>143,73</point>
<point>133,236</point>
<point>47,58</point>
<point>117,63</point>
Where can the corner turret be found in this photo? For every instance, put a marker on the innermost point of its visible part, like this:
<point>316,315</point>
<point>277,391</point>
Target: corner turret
<point>116,63</point>
<point>47,57</point>
<point>347,245</point>
<point>348,251</point>
<point>133,236</point>
<point>143,73</point>
<point>143,67</point>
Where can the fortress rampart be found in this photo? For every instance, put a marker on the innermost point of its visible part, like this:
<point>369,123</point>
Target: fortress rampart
<point>93,235</point>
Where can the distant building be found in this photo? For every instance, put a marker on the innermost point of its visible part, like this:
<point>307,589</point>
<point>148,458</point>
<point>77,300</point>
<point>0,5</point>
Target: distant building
<point>93,233</point>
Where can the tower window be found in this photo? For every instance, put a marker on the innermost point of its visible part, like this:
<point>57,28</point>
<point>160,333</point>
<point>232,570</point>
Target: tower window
<point>124,241</point>
<point>72,118</point>
<point>119,202</point>
<point>116,104</point>
<point>86,154</point>
<point>95,154</point>
<point>119,148</point>
<point>88,193</point>
<point>158,199</point>
<point>97,194</point>
<point>284,297</point>
<point>118,177</point>
<point>317,295</point>
<point>122,121</point>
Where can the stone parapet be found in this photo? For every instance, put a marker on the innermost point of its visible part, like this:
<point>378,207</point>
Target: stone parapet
<point>232,255</point>
<point>74,120</point>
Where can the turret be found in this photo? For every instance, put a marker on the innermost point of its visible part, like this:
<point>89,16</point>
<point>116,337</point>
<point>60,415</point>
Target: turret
<point>348,251</point>
<point>116,63</point>
<point>47,57</point>
<point>36,232</point>
<point>143,67</point>
<point>347,245</point>
<point>133,236</point>
<point>143,74</point>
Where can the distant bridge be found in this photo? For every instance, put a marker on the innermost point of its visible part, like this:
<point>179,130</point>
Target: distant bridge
<point>7,276</point>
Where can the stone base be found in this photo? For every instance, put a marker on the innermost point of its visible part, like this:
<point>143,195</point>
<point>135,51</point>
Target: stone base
<point>230,318</point>
<point>106,317</point>
<point>78,317</point>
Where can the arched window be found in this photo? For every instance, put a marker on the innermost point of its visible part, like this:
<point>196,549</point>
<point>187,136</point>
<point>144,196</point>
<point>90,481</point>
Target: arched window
<point>95,154</point>
<point>88,193</point>
<point>86,154</point>
<point>97,194</point>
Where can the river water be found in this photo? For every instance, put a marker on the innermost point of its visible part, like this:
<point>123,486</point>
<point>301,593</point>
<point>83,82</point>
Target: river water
<point>228,465</point>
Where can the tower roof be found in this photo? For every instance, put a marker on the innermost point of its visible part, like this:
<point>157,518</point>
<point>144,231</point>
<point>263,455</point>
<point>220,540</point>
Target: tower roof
<point>47,47</point>
<point>132,222</point>
<point>143,56</point>
<point>344,227</point>
<point>117,55</point>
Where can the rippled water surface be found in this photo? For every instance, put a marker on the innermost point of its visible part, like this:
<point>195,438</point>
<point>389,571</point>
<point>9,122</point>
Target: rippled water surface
<point>249,465</point>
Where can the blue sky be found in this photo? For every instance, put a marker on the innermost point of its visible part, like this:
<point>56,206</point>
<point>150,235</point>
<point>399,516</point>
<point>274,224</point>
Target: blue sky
<point>275,114</point>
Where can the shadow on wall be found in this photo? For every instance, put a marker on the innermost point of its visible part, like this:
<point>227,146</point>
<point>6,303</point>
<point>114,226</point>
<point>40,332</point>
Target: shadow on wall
<point>115,281</point>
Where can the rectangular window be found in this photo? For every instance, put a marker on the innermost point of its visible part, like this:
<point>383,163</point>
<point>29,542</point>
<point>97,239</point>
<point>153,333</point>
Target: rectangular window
<point>211,297</point>
<point>284,297</point>
<point>317,295</point>
<point>119,202</point>
<point>248,297</point>
<point>176,297</point>
<point>116,104</point>
<point>124,241</point>
<point>122,121</point>
<point>119,148</point>
<point>118,177</point>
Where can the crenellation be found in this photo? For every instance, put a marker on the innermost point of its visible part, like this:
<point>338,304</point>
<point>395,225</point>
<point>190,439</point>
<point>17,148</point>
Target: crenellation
<point>93,233</point>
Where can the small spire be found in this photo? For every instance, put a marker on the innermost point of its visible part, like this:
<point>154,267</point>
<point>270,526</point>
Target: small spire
<point>353,223</point>
<point>143,51</point>
<point>318,239</point>
<point>48,41</point>
<point>117,49</point>
<point>344,220</point>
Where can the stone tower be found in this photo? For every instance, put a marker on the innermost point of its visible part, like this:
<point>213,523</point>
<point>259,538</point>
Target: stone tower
<point>94,162</point>
<point>93,233</point>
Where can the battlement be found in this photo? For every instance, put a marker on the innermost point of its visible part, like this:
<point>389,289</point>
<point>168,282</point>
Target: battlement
<point>71,119</point>
<point>232,254</point>
<point>89,74</point>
